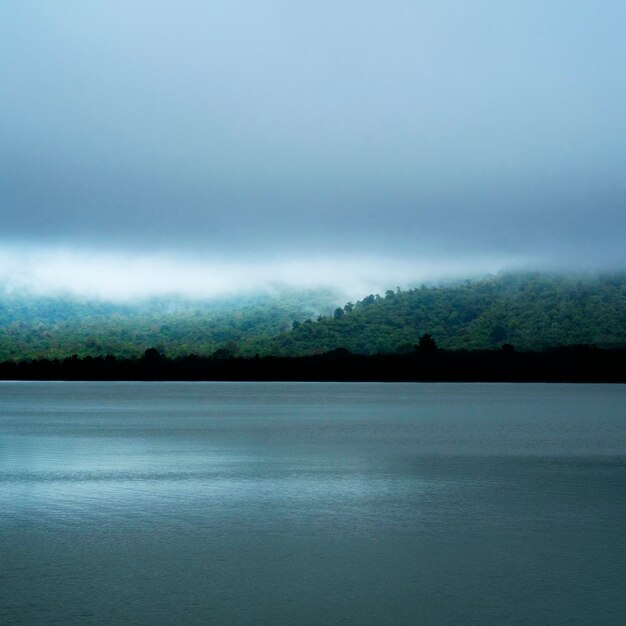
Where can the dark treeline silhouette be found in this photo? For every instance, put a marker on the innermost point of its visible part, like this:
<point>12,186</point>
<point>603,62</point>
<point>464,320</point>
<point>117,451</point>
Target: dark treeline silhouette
<point>581,363</point>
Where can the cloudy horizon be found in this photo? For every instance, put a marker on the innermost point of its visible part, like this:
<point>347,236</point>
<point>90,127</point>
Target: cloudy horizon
<point>123,276</point>
<point>161,147</point>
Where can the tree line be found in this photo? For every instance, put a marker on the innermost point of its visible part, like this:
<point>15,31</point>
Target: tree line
<point>581,363</point>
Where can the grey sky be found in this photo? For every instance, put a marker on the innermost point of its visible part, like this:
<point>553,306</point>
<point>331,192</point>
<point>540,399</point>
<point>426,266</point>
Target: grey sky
<point>267,129</point>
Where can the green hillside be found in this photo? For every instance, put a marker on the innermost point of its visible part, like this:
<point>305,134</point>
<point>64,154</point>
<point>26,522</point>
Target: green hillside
<point>44,327</point>
<point>530,311</point>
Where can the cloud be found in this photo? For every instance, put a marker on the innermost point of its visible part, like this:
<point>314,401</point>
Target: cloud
<point>122,276</point>
<point>268,130</point>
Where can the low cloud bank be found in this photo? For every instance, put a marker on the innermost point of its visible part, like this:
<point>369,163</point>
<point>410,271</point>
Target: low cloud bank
<point>123,276</point>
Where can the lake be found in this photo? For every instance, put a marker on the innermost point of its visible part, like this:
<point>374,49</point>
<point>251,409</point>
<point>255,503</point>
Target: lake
<point>312,503</point>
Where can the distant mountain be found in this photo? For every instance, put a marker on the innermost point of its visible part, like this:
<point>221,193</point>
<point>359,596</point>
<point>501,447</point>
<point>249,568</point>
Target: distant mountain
<point>55,327</point>
<point>530,311</point>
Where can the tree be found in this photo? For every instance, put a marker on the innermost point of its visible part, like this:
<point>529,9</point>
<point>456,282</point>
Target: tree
<point>152,355</point>
<point>427,344</point>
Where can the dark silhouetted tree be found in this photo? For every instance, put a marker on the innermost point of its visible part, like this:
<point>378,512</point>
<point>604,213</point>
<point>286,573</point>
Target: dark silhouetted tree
<point>427,344</point>
<point>152,355</point>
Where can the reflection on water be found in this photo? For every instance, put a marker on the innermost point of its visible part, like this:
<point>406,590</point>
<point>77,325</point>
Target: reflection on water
<point>285,503</point>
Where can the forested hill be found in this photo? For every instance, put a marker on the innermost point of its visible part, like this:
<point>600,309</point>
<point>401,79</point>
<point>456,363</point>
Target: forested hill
<point>56,327</point>
<point>529,311</point>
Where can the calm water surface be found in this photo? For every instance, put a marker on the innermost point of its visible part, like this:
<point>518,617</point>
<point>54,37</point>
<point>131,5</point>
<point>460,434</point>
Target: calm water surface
<point>289,503</point>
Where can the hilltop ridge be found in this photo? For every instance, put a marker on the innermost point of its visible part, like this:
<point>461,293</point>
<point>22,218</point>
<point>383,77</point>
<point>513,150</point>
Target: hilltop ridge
<point>531,311</point>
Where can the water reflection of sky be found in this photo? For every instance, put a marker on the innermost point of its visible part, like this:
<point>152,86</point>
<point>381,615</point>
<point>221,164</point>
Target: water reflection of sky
<point>94,445</point>
<point>252,503</point>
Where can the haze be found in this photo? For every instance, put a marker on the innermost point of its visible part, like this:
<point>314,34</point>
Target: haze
<point>189,146</point>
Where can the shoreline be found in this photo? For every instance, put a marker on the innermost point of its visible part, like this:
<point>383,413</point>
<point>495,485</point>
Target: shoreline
<point>574,364</point>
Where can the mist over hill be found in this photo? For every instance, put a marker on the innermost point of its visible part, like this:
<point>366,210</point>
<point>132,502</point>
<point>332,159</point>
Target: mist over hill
<point>529,311</point>
<point>35,326</point>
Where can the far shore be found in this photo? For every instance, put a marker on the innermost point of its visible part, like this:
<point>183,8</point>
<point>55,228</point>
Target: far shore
<point>566,364</point>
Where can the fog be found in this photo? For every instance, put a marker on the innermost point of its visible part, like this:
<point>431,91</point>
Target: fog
<point>161,147</point>
<point>123,277</point>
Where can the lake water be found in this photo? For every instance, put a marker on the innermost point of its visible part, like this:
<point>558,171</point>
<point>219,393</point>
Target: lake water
<point>307,503</point>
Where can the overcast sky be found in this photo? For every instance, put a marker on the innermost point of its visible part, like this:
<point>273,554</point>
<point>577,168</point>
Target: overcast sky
<point>432,136</point>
